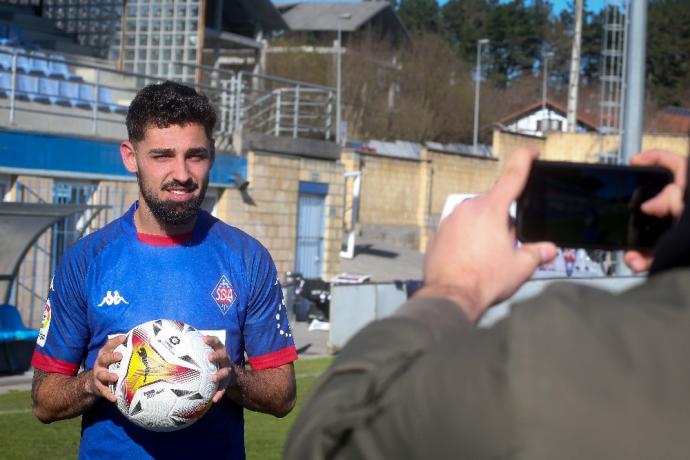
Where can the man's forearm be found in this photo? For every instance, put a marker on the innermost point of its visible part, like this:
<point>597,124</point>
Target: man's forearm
<point>58,397</point>
<point>269,390</point>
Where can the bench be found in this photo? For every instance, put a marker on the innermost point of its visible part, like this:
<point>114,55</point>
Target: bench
<point>17,342</point>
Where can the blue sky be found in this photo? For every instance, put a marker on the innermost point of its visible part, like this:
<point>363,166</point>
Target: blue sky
<point>592,5</point>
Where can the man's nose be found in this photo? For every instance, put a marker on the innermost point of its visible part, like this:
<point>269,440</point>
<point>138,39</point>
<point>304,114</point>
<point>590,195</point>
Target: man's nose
<point>181,170</point>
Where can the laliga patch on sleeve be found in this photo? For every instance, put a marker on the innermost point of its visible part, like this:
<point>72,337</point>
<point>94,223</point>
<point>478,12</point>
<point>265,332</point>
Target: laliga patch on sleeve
<point>45,325</point>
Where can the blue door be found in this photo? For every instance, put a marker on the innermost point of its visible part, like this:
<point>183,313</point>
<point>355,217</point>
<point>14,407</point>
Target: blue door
<point>311,217</point>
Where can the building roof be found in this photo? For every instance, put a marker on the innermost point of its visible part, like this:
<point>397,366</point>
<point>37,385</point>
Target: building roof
<point>584,120</point>
<point>397,149</point>
<point>671,120</point>
<point>324,16</point>
<point>244,17</point>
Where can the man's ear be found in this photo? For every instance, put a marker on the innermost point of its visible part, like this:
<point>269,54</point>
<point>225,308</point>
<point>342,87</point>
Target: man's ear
<point>128,155</point>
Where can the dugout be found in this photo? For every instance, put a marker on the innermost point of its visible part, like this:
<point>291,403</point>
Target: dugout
<point>21,224</point>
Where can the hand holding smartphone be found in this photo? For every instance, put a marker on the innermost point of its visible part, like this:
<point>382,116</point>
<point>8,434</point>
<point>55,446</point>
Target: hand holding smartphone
<point>593,206</point>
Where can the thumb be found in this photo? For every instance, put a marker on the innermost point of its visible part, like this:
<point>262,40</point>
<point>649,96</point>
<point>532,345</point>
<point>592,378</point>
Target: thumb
<point>532,255</point>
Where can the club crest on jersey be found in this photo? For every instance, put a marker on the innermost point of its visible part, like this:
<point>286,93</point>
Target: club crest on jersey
<point>223,294</point>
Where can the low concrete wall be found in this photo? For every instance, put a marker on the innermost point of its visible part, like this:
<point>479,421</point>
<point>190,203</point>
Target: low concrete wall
<point>353,307</point>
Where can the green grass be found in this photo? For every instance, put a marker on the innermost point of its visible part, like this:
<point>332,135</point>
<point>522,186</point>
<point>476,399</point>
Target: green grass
<point>23,437</point>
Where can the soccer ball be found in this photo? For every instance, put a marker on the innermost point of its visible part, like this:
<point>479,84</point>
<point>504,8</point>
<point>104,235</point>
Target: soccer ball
<point>164,379</point>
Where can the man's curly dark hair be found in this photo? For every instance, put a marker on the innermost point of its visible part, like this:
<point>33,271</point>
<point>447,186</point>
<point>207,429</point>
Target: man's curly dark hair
<point>165,104</point>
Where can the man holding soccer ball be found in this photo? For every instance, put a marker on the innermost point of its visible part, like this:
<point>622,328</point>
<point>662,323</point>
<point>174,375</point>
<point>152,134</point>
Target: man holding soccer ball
<point>165,258</point>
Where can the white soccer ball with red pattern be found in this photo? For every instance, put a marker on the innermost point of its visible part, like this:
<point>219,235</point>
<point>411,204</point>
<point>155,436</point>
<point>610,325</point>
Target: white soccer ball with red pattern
<point>164,379</point>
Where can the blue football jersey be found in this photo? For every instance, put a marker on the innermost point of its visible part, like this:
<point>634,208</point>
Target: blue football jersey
<point>218,279</point>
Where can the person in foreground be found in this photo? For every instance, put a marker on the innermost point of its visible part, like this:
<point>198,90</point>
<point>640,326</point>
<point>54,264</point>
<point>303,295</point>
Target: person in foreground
<point>165,259</point>
<point>575,373</point>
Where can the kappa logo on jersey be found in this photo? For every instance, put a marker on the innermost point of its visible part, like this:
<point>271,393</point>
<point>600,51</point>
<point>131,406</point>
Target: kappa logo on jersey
<point>45,324</point>
<point>223,294</point>
<point>112,299</point>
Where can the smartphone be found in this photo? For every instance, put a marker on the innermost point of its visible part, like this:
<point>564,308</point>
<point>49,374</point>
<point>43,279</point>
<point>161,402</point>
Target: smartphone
<point>591,206</point>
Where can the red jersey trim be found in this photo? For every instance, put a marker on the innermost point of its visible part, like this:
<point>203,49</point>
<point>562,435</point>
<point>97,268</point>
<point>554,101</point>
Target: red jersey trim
<point>165,240</point>
<point>48,364</point>
<point>276,359</point>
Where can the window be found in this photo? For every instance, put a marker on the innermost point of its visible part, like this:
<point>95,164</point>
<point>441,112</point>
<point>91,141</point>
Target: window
<point>68,230</point>
<point>549,124</point>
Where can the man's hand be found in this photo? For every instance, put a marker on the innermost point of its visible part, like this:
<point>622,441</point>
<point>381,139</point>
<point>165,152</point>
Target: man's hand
<point>667,203</point>
<point>101,377</point>
<point>226,374</point>
<point>473,259</point>
<point>272,391</point>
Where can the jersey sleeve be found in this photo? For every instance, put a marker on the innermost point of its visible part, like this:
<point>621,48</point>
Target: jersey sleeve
<point>63,337</point>
<point>267,333</point>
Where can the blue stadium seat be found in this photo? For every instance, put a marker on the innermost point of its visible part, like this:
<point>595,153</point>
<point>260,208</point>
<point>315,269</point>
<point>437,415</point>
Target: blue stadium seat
<point>27,87</point>
<point>58,68</point>
<point>23,62</point>
<point>5,83</point>
<point>105,101</point>
<point>17,342</point>
<point>68,93</point>
<point>48,88</point>
<point>5,59</point>
<point>39,65</point>
<point>86,98</point>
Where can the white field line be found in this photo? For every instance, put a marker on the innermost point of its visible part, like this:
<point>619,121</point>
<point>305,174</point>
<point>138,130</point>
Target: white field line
<point>14,411</point>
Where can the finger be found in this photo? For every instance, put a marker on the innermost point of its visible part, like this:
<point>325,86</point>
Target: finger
<point>218,396</point>
<point>221,375</point>
<point>638,261</point>
<point>106,358</point>
<point>514,177</point>
<point>213,342</point>
<point>656,157</point>
<point>532,255</point>
<point>668,202</point>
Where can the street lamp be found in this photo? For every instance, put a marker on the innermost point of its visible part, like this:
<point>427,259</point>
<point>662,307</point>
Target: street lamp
<point>477,79</point>
<point>338,76</point>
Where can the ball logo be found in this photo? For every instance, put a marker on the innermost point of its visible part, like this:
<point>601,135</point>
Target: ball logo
<point>149,367</point>
<point>223,294</point>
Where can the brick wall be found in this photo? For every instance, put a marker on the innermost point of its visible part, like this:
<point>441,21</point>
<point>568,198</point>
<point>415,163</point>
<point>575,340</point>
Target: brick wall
<point>268,210</point>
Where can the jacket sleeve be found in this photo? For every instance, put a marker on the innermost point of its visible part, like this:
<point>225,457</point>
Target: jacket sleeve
<point>356,391</point>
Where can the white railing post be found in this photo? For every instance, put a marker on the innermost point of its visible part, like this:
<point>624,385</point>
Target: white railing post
<point>295,121</point>
<point>329,114</point>
<point>94,126</point>
<point>278,104</point>
<point>13,87</point>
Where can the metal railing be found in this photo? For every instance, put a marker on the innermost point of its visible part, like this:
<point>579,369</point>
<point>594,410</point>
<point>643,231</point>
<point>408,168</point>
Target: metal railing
<point>277,106</point>
<point>38,82</point>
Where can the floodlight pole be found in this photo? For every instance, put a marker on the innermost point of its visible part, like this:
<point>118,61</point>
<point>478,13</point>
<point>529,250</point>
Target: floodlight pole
<point>477,79</point>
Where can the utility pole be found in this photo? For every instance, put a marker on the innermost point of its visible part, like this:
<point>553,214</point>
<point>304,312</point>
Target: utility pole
<point>545,85</point>
<point>574,83</point>
<point>339,78</point>
<point>633,102</point>
<point>477,81</point>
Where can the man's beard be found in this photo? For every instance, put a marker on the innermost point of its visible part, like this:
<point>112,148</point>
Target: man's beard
<point>174,212</point>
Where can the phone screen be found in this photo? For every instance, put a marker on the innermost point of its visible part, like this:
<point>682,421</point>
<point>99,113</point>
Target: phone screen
<point>594,206</point>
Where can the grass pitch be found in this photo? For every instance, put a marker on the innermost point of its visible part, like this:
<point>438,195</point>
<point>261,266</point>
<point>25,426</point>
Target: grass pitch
<point>23,437</point>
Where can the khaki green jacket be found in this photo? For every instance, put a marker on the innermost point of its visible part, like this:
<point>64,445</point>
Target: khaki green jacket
<point>576,373</point>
